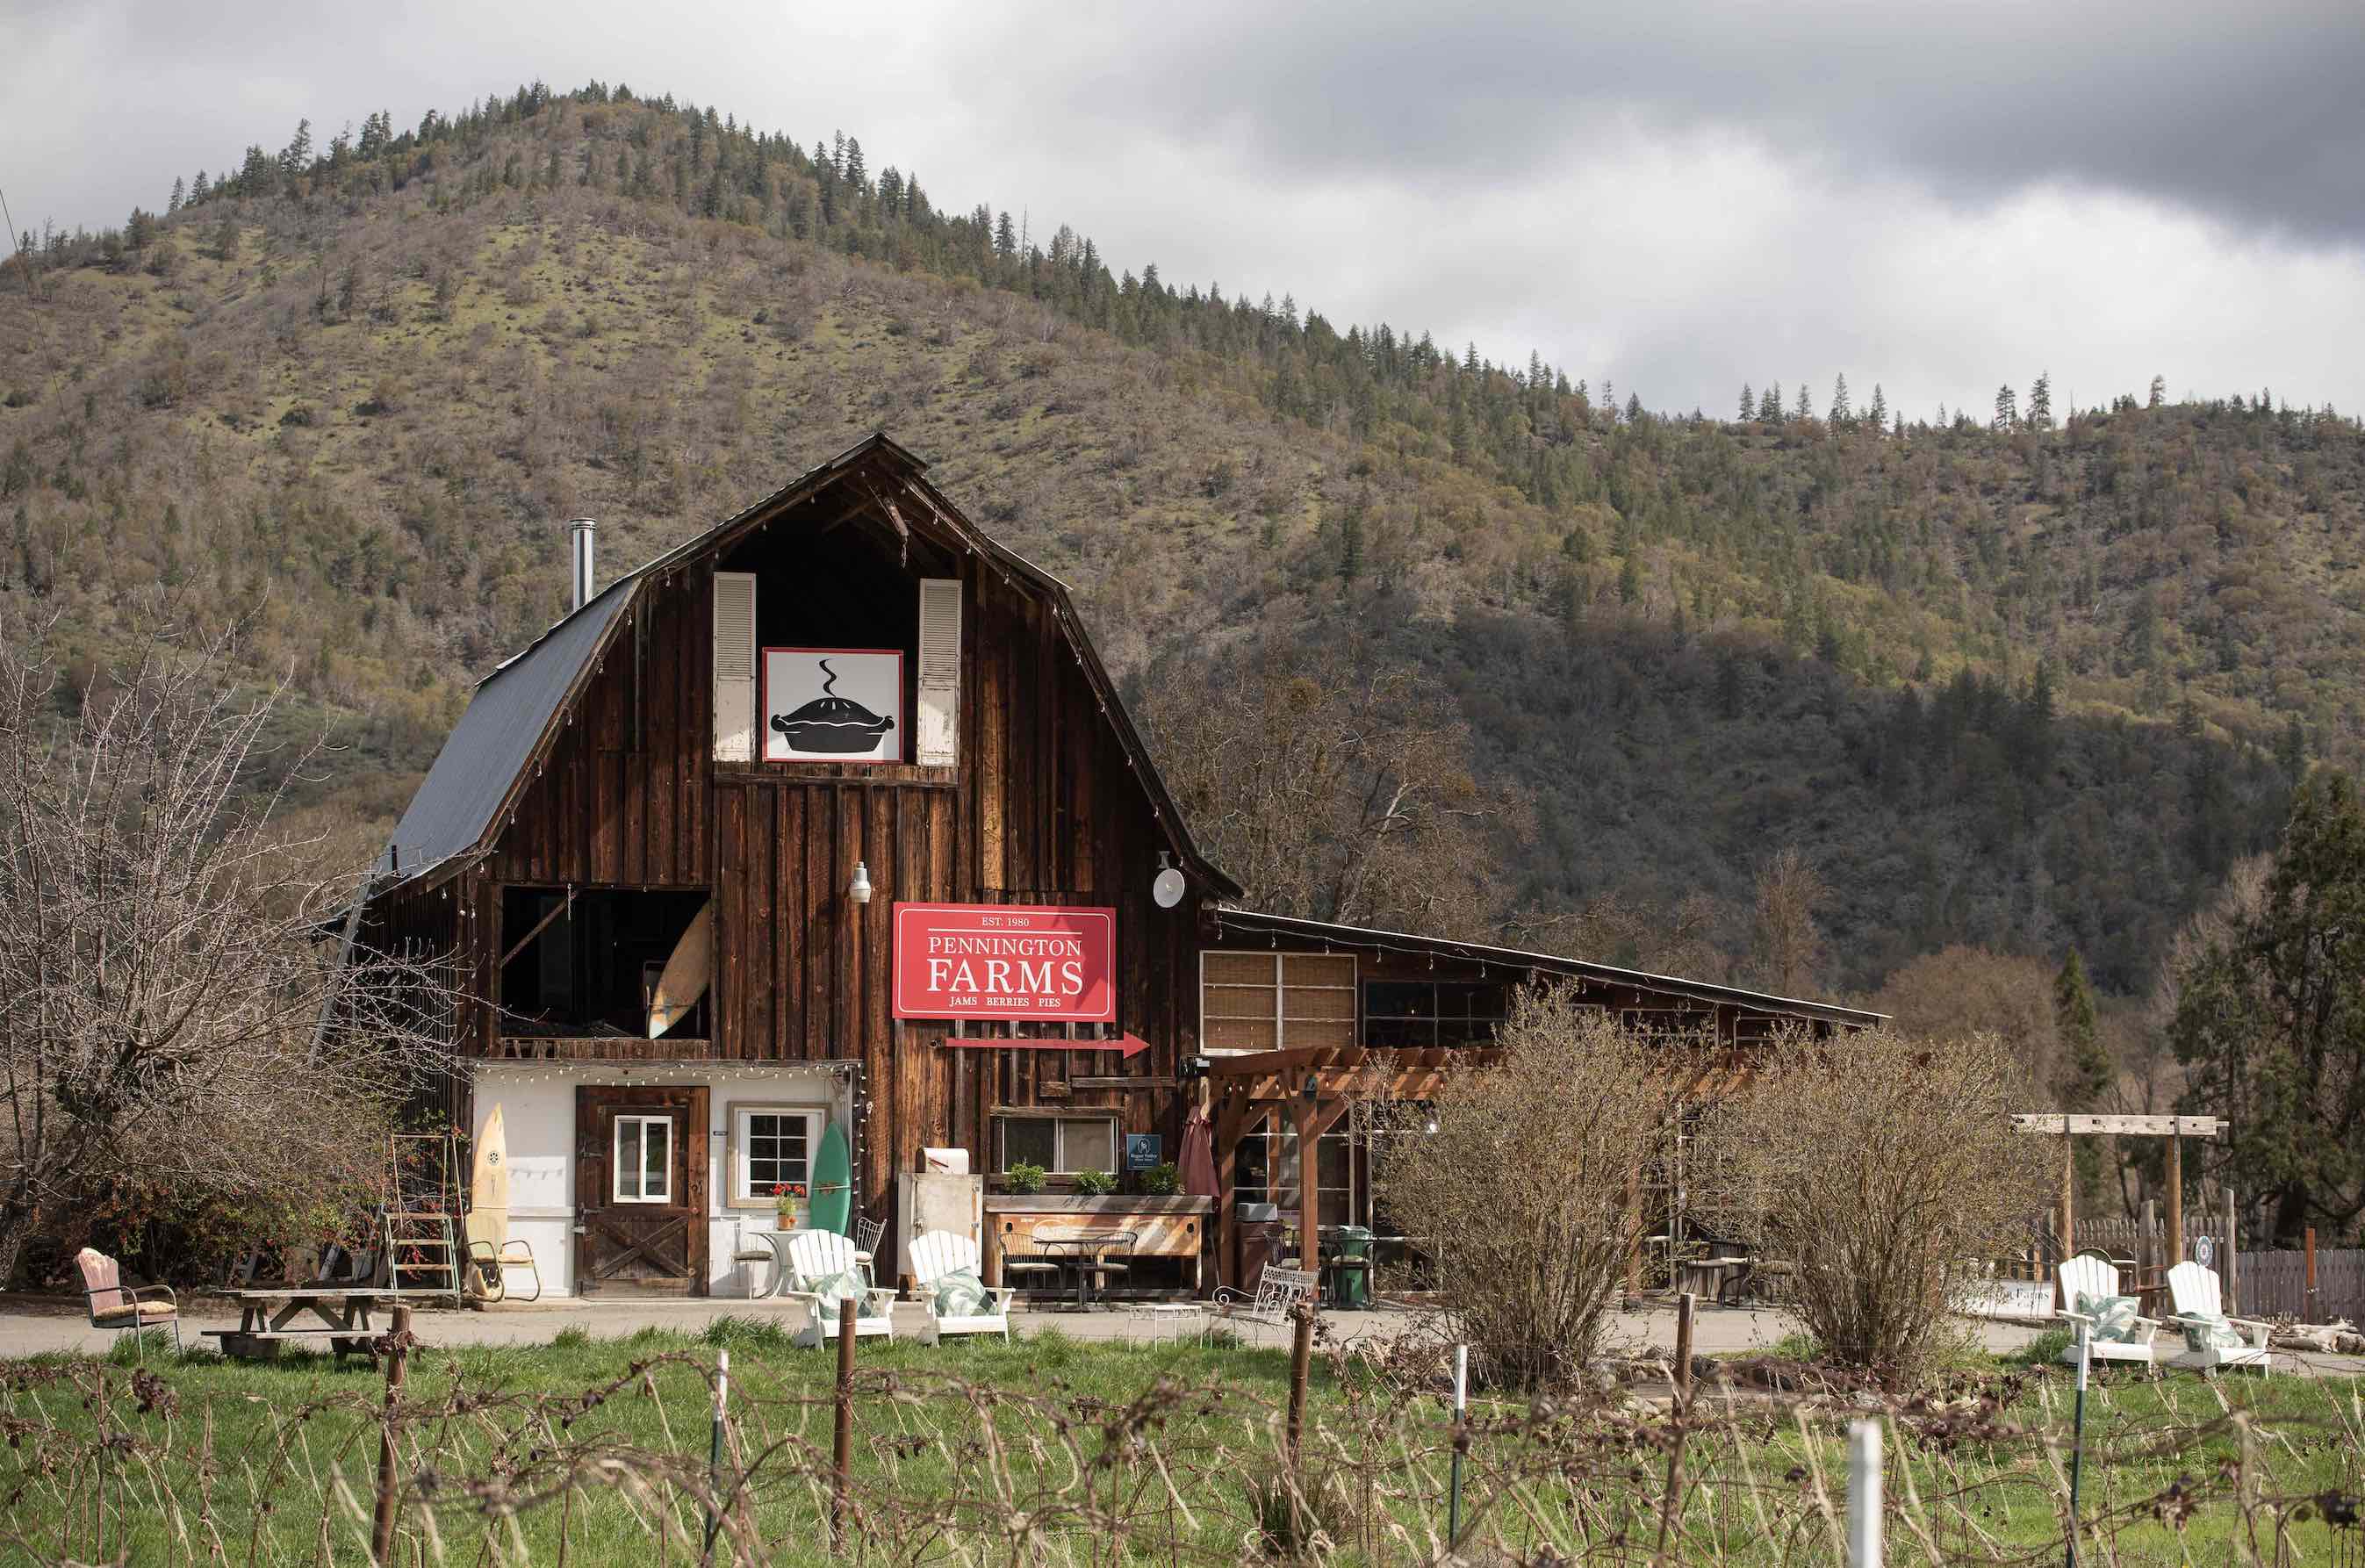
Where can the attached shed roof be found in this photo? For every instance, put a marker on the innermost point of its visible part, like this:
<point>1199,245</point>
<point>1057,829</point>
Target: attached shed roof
<point>496,738</point>
<point>1294,928</point>
<point>516,709</point>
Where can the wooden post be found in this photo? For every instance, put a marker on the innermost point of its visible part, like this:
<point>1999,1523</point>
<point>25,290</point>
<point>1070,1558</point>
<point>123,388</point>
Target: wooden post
<point>2147,1247</point>
<point>1634,1231</point>
<point>2175,1201</point>
<point>2233,1267</point>
<point>396,1357</point>
<point>2069,1194</point>
<point>1301,1356</point>
<point>1684,1350</point>
<point>1309,1192</point>
<point>843,1451</point>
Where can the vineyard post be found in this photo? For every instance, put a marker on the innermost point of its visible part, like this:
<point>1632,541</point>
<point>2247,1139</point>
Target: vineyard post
<point>1461,1415</point>
<point>1863,1495</point>
<point>396,1356</point>
<point>714,1457</point>
<point>2078,1434</point>
<point>1301,1353</point>
<point>842,1450</point>
<point>1683,1309</point>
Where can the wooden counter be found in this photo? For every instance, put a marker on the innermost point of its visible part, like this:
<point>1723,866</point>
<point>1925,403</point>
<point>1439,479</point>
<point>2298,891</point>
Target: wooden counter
<point>1162,1228</point>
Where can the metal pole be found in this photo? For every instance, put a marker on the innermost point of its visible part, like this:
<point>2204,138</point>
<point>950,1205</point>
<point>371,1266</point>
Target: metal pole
<point>2078,1436</point>
<point>714,1458</point>
<point>1461,1406</point>
<point>1863,1495</point>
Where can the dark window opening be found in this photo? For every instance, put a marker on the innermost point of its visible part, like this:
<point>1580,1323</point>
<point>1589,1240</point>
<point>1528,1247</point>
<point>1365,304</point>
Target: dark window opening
<point>592,966</point>
<point>1439,1013</point>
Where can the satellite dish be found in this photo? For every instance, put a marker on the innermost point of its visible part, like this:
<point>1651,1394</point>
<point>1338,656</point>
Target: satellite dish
<point>1168,889</point>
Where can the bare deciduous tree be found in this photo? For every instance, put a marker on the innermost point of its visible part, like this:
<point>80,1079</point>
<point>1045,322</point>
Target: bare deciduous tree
<point>1885,1171</point>
<point>1335,786</point>
<point>1789,946</point>
<point>178,1021</point>
<point>1527,1184</point>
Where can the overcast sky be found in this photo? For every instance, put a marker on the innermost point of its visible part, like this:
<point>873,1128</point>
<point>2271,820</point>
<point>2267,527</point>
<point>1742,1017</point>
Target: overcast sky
<point>1677,196</point>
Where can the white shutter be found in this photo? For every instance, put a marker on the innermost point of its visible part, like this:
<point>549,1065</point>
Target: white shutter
<point>734,667</point>
<point>940,640</point>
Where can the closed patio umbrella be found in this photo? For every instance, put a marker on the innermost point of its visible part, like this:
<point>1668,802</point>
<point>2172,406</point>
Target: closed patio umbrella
<point>1199,1148</point>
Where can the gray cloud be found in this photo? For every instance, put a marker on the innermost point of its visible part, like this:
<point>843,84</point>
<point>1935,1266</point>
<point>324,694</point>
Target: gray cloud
<point>1676,197</point>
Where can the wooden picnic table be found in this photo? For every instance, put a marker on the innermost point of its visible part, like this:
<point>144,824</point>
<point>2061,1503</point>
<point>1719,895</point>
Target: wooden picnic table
<point>266,1318</point>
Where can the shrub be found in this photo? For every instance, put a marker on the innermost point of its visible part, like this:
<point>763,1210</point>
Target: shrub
<point>1024,1176</point>
<point>1885,1171</point>
<point>1095,1184</point>
<point>1529,1187</point>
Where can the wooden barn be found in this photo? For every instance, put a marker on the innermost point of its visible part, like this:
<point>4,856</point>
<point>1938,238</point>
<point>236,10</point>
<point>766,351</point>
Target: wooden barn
<point>831,817</point>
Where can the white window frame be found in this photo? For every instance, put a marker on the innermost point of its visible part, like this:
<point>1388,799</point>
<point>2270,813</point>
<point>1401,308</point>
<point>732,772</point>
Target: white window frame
<point>742,1192</point>
<point>1062,1165</point>
<point>639,1122</point>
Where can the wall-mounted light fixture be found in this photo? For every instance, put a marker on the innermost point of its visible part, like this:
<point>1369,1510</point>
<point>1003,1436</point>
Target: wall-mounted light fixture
<point>860,888</point>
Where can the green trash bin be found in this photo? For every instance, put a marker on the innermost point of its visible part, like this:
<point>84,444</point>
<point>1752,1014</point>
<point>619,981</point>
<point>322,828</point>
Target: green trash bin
<point>1351,1269</point>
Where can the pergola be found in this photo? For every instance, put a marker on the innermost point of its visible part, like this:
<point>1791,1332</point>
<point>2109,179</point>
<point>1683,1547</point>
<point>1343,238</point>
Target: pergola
<point>2067,1125</point>
<point>1313,1086</point>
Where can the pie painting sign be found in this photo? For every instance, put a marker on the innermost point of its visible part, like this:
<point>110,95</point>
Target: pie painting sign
<point>833,705</point>
<point>961,960</point>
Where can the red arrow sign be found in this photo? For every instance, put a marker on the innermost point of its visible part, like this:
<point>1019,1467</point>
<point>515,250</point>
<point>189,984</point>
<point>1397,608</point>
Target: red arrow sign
<point>1128,1045</point>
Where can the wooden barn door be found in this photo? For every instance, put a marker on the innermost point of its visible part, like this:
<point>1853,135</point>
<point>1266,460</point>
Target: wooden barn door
<point>640,1190</point>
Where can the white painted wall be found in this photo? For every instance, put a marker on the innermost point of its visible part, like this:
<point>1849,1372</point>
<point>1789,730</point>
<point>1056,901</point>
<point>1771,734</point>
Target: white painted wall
<point>537,1101</point>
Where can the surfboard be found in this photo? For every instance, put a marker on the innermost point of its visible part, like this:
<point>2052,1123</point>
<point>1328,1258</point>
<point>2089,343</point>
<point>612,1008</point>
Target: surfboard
<point>833,1182</point>
<point>488,1182</point>
<point>685,977</point>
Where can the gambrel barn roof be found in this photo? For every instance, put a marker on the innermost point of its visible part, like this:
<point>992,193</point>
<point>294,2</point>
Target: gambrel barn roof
<point>519,707</point>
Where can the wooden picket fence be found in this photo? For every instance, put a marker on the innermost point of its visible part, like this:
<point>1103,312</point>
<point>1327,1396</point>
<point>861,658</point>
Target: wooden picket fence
<point>2274,1284</point>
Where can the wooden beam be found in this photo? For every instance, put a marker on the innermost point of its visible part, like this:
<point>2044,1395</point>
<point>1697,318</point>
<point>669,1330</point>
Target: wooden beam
<point>2175,1201</point>
<point>2058,1122</point>
<point>565,907</point>
<point>1309,1190</point>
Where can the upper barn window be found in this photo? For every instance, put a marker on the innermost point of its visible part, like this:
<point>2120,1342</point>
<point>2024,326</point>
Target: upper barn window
<point>827,650</point>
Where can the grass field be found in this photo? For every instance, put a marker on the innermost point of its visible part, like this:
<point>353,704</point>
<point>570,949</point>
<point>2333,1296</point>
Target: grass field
<point>1057,1452</point>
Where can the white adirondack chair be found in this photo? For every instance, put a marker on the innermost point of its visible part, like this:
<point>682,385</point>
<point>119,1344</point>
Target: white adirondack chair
<point>941,1252</point>
<point>2199,1297</point>
<point>2095,1278</point>
<point>813,1256</point>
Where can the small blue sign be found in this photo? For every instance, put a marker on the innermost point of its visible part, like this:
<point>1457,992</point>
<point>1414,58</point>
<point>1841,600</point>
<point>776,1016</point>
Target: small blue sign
<point>1141,1151</point>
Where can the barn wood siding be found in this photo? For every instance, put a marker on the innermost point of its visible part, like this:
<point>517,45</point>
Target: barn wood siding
<point>1042,808</point>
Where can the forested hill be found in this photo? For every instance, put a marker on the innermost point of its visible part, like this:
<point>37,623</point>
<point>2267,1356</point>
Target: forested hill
<point>2028,679</point>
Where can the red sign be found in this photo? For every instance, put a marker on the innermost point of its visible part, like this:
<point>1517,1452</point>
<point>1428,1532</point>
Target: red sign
<point>974,961</point>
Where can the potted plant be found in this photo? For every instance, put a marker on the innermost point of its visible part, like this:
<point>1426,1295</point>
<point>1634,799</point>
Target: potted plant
<point>1162,1181</point>
<point>1024,1176</point>
<point>789,1200</point>
<point>1095,1184</point>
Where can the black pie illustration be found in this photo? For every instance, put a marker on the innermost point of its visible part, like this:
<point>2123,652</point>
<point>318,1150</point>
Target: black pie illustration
<point>832,725</point>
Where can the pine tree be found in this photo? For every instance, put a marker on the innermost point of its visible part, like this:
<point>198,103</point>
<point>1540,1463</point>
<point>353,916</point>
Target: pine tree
<point>297,156</point>
<point>2084,1071</point>
<point>2159,392</point>
<point>1877,415</point>
<point>198,189</point>
<point>2040,402</point>
<point>1633,408</point>
<point>1748,404</point>
<point>1841,415</point>
<point>1769,407</point>
<point>1806,404</point>
<point>2006,409</point>
<point>173,202</point>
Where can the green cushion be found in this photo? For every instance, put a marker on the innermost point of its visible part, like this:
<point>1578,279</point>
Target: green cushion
<point>2114,1317</point>
<point>960,1293</point>
<point>2211,1333</point>
<point>845,1285</point>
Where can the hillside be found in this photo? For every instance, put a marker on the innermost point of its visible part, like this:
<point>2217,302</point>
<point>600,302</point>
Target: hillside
<point>2025,686</point>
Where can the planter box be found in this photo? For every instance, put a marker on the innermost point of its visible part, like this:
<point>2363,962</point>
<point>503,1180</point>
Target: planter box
<point>1173,1227</point>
